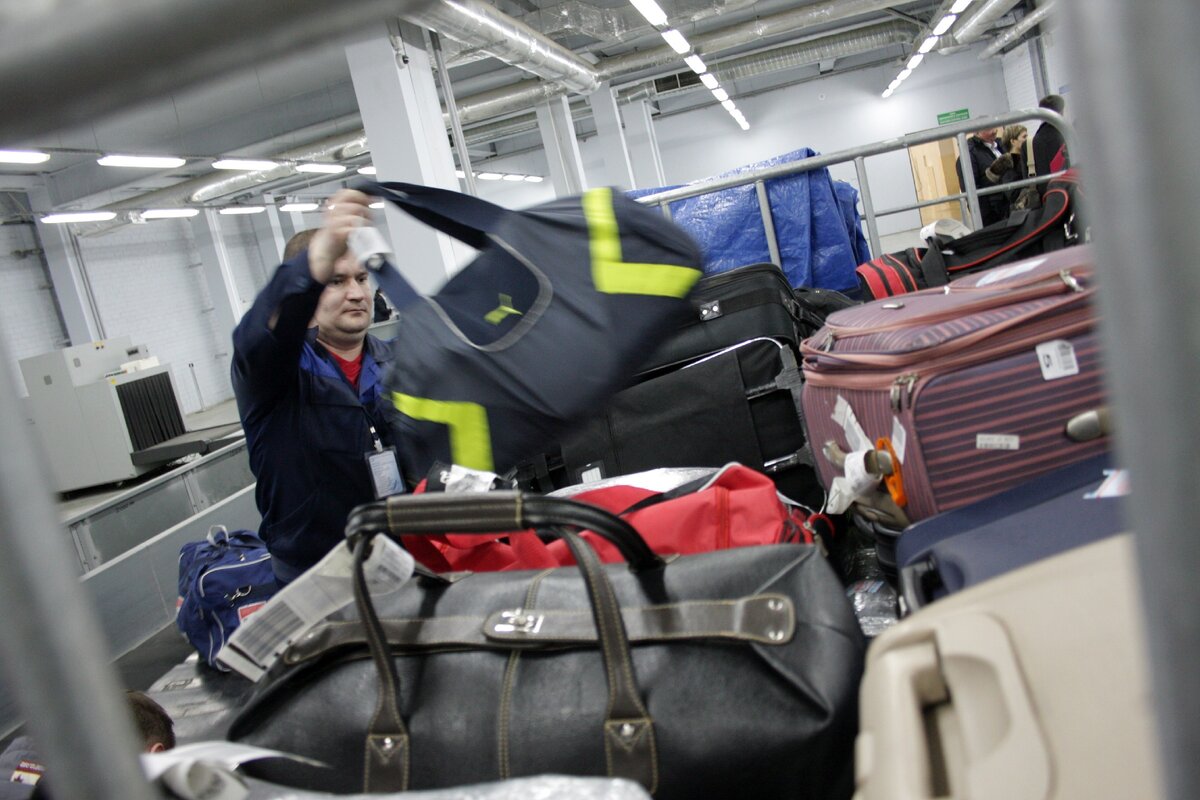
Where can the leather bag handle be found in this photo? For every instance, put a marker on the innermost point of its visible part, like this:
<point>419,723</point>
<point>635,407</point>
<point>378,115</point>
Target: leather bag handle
<point>629,741</point>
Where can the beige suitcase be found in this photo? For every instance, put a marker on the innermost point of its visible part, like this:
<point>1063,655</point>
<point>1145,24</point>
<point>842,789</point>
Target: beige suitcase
<point>1029,686</point>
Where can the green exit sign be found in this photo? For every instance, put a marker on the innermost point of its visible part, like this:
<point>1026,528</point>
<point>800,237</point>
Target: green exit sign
<point>953,116</point>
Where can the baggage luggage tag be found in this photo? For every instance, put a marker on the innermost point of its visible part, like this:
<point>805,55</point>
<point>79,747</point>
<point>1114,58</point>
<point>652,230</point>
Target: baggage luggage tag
<point>324,589</point>
<point>385,469</point>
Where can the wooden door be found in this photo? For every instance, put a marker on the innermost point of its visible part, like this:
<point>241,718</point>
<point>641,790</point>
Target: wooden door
<point>934,176</point>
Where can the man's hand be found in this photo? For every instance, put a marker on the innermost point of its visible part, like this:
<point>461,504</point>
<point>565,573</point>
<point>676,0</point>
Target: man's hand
<point>345,211</point>
<point>1000,166</point>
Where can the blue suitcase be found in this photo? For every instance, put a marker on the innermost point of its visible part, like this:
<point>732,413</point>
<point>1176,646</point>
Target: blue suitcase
<point>1029,522</point>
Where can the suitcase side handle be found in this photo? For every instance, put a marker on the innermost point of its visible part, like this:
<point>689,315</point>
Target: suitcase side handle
<point>947,712</point>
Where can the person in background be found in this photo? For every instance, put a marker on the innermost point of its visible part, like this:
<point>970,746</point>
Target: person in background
<point>307,379</point>
<point>1013,142</point>
<point>988,166</point>
<point>1048,144</point>
<point>383,311</point>
<point>21,770</point>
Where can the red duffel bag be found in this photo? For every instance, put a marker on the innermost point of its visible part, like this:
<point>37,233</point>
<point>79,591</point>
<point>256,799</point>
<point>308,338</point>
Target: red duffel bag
<point>734,507</point>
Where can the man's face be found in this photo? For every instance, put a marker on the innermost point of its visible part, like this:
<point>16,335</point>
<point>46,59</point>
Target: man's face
<point>987,134</point>
<point>344,307</point>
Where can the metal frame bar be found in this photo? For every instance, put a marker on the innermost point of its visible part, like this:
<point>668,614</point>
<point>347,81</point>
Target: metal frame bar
<point>764,209</point>
<point>857,155</point>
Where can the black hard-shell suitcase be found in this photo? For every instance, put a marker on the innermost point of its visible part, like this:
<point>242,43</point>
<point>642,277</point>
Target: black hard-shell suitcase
<point>725,387</point>
<point>1073,506</point>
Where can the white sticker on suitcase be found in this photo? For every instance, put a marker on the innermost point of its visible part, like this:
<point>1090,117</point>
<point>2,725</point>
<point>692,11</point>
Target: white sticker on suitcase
<point>899,439</point>
<point>1057,359</point>
<point>997,441</point>
<point>844,417</point>
<point>997,275</point>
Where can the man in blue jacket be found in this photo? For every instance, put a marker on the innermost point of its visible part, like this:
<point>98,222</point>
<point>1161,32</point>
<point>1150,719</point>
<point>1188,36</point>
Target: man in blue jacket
<point>307,379</point>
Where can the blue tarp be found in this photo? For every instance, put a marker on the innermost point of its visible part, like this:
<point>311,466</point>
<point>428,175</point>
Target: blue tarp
<point>816,225</point>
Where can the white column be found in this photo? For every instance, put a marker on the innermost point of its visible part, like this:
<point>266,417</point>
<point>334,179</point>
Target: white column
<point>69,277</point>
<point>228,306</point>
<point>268,233</point>
<point>562,149</point>
<point>393,80</point>
<point>643,146</point>
<point>611,137</point>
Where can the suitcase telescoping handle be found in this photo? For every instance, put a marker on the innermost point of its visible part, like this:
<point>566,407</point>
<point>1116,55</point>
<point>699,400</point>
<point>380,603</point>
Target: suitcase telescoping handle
<point>628,730</point>
<point>946,712</point>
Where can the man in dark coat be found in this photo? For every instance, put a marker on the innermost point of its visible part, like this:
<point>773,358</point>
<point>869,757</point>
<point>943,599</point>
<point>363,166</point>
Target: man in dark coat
<point>988,167</point>
<point>1048,141</point>
<point>307,378</point>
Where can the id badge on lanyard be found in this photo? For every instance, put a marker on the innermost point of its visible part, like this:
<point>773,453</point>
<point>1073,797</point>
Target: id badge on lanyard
<point>384,469</point>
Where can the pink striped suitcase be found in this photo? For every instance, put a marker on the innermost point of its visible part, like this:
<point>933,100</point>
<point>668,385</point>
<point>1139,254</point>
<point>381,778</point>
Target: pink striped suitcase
<point>973,383</point>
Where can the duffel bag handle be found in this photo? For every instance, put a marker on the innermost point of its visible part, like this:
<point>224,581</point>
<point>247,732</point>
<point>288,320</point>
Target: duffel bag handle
<point>462,216</point>
<point>629,741</point>
<point>498,512</point>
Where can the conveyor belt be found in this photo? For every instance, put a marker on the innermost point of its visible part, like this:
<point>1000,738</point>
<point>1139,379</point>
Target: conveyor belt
<point>200,441</point>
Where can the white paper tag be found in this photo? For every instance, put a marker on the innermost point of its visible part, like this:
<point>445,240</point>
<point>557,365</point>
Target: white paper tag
<point>1057,359</point>
<point>856,473</point>
<point>224,755</point>
<point>1115,484</point>
<point>1004,273</point>
<point>844,418</point>
<point>840,496</point>
<point>899,439</point>
<point>369,246</point>
<point>997,441</point>
<point>328,587</point>
<point>460,479</point>
<point>840,409</point>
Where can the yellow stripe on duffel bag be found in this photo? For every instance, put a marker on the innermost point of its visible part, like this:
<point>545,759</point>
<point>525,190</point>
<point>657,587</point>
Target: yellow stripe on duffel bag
<point>610,274</point>
<point>470,437</point>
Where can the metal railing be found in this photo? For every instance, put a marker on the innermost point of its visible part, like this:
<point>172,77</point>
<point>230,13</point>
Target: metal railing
<point>968,199</point>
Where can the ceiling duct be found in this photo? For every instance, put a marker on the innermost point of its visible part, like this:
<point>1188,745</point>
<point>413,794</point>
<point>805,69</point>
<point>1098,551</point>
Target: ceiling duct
<point>1014,34</point>
<point>978,23</point>
<point>484,28</point>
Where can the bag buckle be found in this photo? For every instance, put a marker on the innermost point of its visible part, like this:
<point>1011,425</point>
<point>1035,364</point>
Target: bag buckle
<point>517,621</point>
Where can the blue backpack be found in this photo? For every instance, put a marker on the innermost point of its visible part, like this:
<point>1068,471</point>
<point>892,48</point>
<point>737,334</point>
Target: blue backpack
<point>222,580</point>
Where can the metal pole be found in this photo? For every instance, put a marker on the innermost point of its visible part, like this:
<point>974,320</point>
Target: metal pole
<point>456,131</point>
<point>71,62</point>
<point>53,650</point>
<point>1133,98</point>
<point>864,191</point>
<point>764,208</point>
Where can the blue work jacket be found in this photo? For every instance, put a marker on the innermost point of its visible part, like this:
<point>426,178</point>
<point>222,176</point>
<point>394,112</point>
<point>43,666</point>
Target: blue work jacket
<point>307,430</point>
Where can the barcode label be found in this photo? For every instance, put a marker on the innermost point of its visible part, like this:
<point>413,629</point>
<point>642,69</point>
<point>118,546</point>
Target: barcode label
<point>1057,359</point>
<point>326,588</point>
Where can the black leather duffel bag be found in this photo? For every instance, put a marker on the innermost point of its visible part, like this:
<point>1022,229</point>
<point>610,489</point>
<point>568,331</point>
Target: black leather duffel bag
<point>726,674</point>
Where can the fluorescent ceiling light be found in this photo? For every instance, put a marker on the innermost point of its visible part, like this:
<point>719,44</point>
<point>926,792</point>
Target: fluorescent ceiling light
<point>366,170</point>
<point>888,92</point>
<point>249,165</point>
<point>675,39</point>
<point>904,73</point>
<point>325,169</point>
<point>697,64</point>
<point>944,24</point>
<point>915,60</point>
<point>376,205</point>
<point>894,84</point>
<point>458,173</point>
<point>144,162</point>
<point>299,207</point>
<point>170,213</point>
<point>23,156</point>
<point>710,81</point>
<point>650,10</point>
<point>743,124</point>
<point>534,179</point>
<point>729,106</point>
<point>79,216</point>
<point>720,94</point>
<point>490,176</point>
<point>959,6</point>
<point>232,210</point>
<point>514,177</point>
<point>927,45</point>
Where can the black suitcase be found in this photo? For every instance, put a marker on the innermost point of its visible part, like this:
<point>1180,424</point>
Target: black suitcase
<point>725,387</point>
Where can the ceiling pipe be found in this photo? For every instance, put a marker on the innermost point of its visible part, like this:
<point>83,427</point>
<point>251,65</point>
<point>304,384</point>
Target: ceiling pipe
<point>491,31</point>
<point>1014,34</point>
<point>980,18</point>
<point>520,97</point>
